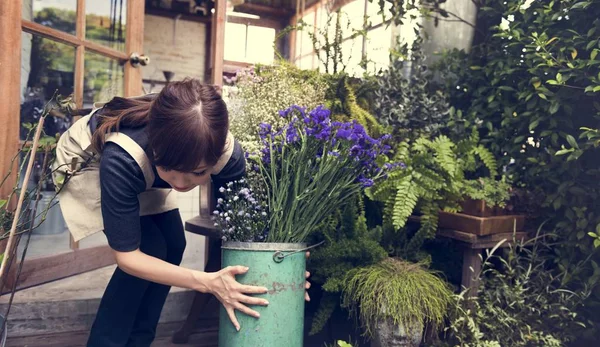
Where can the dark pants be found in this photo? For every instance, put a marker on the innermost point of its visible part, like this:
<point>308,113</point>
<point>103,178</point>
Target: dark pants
<point>130,308</point>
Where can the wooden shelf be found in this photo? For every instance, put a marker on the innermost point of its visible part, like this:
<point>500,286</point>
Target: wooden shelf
<point>202,225</point>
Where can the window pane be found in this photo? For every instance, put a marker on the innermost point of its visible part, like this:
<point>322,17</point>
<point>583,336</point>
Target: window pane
<point>305,37</point>
<point>235,42</point>
<point>378,47</point>
<point>57,14</point>
<point>260,45</point>
<point>373,12</point>
<point>46,67</point>
<point>352,56</point>
<point>352,17</point>
<point>105,22</point>
<point>103,79</point>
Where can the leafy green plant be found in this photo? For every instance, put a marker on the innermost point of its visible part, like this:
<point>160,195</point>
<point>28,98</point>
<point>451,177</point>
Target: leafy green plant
<point>518,302</point>
<point>433,179</point>
<point>259,93</point>
<point>348,244</point>
<point>407,100</point>
<point>493,192</point>
<point>532,83</point>
<point>397,290</point>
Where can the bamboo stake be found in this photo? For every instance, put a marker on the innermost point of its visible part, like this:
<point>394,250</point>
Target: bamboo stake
<point>13,229</point>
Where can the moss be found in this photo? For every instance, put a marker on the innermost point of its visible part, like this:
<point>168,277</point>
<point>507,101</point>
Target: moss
<point>394,289</point>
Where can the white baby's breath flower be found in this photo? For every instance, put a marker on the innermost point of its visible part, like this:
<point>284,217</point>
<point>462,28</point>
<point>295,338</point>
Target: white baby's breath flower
<point>527,4</point>
<point>511,18</point>
<point>505,25</point>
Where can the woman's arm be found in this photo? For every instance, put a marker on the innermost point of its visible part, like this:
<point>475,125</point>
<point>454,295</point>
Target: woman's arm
<point>222,284</point>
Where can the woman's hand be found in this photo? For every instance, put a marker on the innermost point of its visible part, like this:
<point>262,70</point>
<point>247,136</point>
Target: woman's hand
<point>233,294</point>
<point>307,284</point>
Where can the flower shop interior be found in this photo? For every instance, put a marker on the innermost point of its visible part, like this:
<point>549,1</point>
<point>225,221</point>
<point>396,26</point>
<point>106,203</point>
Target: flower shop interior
<point>450,186</point>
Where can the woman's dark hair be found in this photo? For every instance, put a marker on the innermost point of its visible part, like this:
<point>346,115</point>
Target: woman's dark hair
<point>187,123</point>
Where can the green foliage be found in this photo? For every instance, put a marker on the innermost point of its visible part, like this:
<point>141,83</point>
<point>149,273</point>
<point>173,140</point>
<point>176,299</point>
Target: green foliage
<point>344,98</point>
<point>518,303</point>
<point>349,244</point>
<point>532,83</point>
<point>493,192</point>
<point>397,290</point>
<point>434,179</point>
<point>261,92</point>
<point>407,100</point>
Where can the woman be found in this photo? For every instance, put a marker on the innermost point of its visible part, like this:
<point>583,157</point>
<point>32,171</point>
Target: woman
<point>116,168</point>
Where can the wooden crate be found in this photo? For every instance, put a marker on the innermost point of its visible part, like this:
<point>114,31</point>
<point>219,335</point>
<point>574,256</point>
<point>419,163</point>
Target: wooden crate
<point>479,208</point>
<point>481,225</point>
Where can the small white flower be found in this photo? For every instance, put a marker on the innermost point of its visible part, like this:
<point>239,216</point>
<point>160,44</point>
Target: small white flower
<point>465,89</point>
<point>220,200</point>
<point>457,87</point>
<point>236,198</point>
<point>222,190</point>
<point>510,37</point>
<point>535,13</point>
<point>567,17</point>
<point>559,17</point>
<point>522,56</point>
<point>526,4</point>
<point>537,49</point>
<point>521,60</point>
<point>264,213</point>
<point>511,18</point>
<point>505,25</point>
<point>524,49</point>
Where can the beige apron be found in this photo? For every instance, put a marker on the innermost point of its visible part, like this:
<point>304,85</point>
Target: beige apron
<point>79,198</point>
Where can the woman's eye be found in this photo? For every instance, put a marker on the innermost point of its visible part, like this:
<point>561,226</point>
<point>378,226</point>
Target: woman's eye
<point>201,173</point>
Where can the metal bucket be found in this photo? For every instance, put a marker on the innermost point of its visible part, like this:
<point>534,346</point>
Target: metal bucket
<point>280,267</point>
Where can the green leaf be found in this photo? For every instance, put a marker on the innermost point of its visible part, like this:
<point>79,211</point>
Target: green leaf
<point>589,89</point>
<point>591,32</point>
<point>534,124</point>
<point>597,243</point>
<point>553,108</point>
<point>593,54</point>
<point>574,53</point>
<point>552,82</point>
<point>590,45</point>
<point>598,228</point>
<point>592,234</point>
<point>571,140</point>
<point>2,203</point>
<point>582,4</point>
<point>519,139</point>
<point>564,151</point>
<point>596,89</point>
<point>475,67</point>
<point>546,133</point>
<point>559,77</point>
<point>542,96</point>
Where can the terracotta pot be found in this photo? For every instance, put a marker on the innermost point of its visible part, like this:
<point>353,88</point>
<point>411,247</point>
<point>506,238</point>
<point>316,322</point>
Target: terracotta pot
<point>480,208</point>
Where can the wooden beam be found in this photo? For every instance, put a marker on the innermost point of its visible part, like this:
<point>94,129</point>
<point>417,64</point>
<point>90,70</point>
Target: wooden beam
<point>264,10</point>
<point>49,268</point>
<point>183,16</point>
<point>10,91</point>
<point>71,40</point>
<point>276,24</point>
<point>217,47</point>
<point>134,44</point>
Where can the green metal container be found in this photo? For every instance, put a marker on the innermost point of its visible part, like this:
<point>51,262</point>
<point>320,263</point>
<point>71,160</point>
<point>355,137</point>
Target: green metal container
<point>280,267</point>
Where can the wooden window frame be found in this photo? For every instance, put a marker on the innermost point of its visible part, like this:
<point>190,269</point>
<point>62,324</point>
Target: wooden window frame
<point>48,268</point>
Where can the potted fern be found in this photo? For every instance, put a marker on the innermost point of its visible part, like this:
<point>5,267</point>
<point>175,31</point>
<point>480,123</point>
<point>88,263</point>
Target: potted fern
<point>395,300</point>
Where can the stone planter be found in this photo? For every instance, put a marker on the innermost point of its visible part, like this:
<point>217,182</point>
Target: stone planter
<point>387,334</point>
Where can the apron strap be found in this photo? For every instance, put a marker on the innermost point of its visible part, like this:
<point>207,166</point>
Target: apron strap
<point>224,158</point>
<point>137,152</point>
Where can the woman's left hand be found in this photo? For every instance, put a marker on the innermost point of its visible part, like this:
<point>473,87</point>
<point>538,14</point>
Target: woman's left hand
<point>307,284</point>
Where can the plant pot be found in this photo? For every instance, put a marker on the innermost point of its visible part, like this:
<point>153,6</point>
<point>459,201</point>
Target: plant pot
<point>281,323</point>
<point>388,334</point>
<point>481,225</point>
<point>4,328</point>
<point>480,208</point>
<point>54,222</point>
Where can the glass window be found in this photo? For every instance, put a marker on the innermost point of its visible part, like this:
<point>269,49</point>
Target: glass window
<point>305,35</point>
<point>375,17</point>
<point>352,55</point>
<point>352,17</point>
<point>46,67</point>
<point>260,45</point>
<point>103,79</point>
<point>56,14</point>
<point>105,22</point>
<point>306,62</point>
<point>378,48</point>
<point>235,42</point>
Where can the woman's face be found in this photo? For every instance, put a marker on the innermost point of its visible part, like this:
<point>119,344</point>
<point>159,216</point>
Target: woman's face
<point>185,181</point>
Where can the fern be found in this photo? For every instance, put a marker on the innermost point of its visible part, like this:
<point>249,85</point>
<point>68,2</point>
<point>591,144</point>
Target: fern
<point>405,201</point>
<point>488,159</point>
<point>327,305</point>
